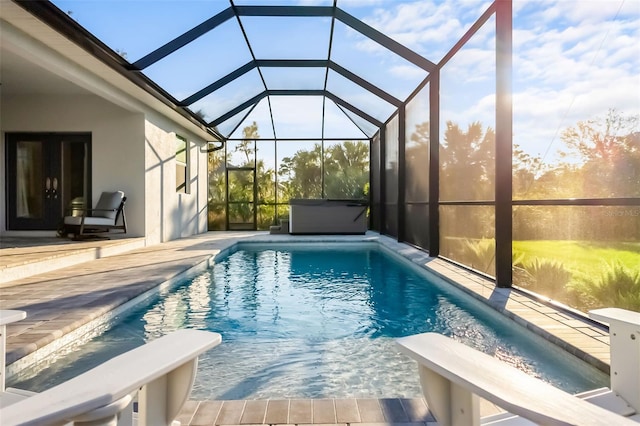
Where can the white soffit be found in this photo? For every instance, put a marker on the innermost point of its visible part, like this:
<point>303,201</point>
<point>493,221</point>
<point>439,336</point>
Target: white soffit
<point>38,43</point>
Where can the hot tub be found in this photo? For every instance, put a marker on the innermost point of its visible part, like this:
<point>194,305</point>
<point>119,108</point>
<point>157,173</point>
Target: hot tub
<point>326,216</point>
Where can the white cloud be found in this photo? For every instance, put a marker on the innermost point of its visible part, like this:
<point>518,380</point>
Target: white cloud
<point>407,72</point>
<point>588,11</point>
<point>572,62</point>
<point>358,3</point>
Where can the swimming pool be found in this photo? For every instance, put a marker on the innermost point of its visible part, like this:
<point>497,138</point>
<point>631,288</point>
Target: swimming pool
<point>313,322</point>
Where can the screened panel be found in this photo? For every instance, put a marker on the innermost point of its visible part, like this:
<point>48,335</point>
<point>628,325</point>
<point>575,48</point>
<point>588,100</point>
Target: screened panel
<point>282,211</point>
<point>467,236</point>
<point>229,96</point>
<point>576,123</point>
<point>428,28</point>
<point>266,178</point>
<point>227,127</point>
<point>159,24</point>
<point>375,63</point>
<point>299,170</point>
<point>265,216</point>
<point>391,161</point>
<point>359,97</point>
<point>266,171</point>
<point>416,220</point>
<point>297,116</point>
<point>391,220</point>
<point>241,216</point>
<point>346,169</point>
<point>375,210</point>
<point>282,37</point>
<point>304,78</point>
<point>337,124</point>
<point>201,62</point>
<point>217,197</point>
<point>365,126</point>
<point>261,116</point>
<point>467,120</point>
<point>417,145</point>
<point>584,256</point>
<point>391,177</point>
<point>241,153</point>
<point>241,183</point>
<point>417,148</point>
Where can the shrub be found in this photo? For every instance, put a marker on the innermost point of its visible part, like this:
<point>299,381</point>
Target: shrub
<point>547,277</point>
<point>617,286</point>
<point>481,254</point>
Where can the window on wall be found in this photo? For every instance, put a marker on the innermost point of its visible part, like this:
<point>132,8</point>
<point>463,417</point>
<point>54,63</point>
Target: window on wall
<point>182,165</point>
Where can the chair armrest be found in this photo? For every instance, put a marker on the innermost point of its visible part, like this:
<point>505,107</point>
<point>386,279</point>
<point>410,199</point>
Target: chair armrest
<point>454,375</point>
<point>624,343</point>
<point>7,316</point>
<point>166,365</point>
<point>615,316</point>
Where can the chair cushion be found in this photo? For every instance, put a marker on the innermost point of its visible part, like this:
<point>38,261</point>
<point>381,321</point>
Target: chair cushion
<point>108,201</point>
<point>89,220</point>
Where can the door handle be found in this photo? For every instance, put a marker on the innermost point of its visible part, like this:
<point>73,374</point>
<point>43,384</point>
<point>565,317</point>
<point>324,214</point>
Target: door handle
<point>47,187</point>
<point>54,191</point>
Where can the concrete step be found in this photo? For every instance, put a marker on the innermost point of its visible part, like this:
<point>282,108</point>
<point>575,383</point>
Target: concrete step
<point>27,256</point>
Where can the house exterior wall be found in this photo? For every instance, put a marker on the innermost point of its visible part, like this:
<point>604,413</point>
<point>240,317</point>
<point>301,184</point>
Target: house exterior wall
<point>169,214</point>
<point>131,151</point>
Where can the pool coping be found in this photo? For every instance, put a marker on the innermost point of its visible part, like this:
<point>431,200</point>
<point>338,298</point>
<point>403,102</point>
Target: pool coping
<point>45,331</point>
<point>569,330</point>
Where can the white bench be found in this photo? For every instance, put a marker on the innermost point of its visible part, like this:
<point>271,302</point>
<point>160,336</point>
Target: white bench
<point>160,372</point>
<point>453,377</point>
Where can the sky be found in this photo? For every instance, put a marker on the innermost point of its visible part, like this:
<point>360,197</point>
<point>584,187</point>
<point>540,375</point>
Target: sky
<point>573,59</point>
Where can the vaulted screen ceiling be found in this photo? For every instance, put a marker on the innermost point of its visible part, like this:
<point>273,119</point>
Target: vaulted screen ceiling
<point>299,72</point>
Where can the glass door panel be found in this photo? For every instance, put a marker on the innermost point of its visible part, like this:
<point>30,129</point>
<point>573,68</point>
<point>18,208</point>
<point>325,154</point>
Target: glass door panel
<point>75,176</point>
<point>46,174</point>
<point>29,185</point>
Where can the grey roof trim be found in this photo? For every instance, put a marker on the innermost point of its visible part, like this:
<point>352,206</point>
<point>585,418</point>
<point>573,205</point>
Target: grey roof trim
<point>384,40</point>
<point>184,39</point>
<point>238,72</point>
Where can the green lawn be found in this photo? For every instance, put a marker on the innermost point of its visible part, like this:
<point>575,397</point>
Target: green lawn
<point>582,257</point>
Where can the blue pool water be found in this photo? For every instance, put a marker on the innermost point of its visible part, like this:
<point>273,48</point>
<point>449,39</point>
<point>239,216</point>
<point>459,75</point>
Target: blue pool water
<point>317,322</point>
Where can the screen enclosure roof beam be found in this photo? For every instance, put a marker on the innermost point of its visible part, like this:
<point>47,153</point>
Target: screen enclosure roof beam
<point>328,94</point>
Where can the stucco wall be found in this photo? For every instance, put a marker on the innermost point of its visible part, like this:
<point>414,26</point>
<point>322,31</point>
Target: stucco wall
<point>117,142</point>
<point>169,214</point>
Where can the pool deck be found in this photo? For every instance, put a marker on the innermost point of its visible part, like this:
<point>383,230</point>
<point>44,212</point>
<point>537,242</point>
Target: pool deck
<point>96,280</point>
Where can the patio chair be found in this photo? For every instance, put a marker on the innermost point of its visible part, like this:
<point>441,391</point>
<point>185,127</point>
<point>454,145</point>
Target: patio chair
<point>454,376</point>
<point>104,217</point>
<point>161,373</point>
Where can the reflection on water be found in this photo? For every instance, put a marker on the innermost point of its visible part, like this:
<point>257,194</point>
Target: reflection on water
<point>318,323</point>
